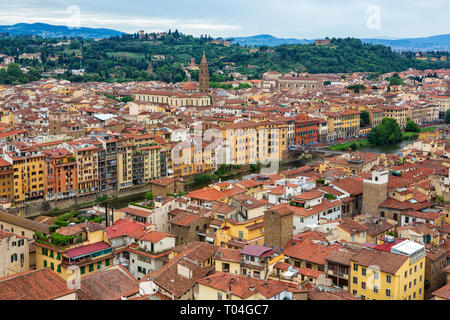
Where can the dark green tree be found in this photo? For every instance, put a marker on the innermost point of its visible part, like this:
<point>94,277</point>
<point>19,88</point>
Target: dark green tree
<point>447,116</point>
<point>387,132</point>
<point>365,118</point>
<point>149,196</point>
<point>411,126</point>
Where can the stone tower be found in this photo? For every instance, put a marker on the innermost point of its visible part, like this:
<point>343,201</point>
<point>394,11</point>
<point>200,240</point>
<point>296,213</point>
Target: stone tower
<point>278,226</point>
<point>375,191</point>
<point>203,77</point>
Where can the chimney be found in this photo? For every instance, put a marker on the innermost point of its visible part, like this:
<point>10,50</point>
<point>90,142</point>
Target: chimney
<point>229,289</point>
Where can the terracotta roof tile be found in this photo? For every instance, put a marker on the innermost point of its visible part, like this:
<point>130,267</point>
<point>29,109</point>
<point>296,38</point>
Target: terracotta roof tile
<point>112,283</point>
<point>40,284</point>
<point>241,286</point>
<point>387,261</point>
<point>308,251</point>
<point>443,292</point>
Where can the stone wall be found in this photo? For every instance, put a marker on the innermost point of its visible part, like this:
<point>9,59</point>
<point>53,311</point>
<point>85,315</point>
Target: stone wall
<point>373,195</point>
<point>278,229</point>
<point>35,208</point>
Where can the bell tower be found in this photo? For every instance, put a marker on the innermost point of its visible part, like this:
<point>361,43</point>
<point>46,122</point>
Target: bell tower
<point>203,77</point>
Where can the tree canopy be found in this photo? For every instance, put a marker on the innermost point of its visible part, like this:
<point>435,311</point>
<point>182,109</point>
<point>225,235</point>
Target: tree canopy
<point>365,118</point>
<point>164,58</point>
<point>387,132</point>
<point>357,88</point>
<point>447,116</point>
<point>411,126</point>
<point>395,80</point>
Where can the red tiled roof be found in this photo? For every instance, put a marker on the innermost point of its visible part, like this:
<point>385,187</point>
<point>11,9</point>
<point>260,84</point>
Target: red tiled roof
<point>303,271</point>
<point>227,254</point>
<point>250,183</point>
<point>108,284</point>
<point>443,292</point>
<point>185,219</point>
<point>308,251</point>
<point>155,236</point>
<point>137,212</point>
<point>163,181</point>
<point>40,284</point>
<point>308,195</point>
<point>351,226</point>
<point>241,286</point>
<point>309,235</point>
<point>235,190</point>
<point>350,185</point>
<point>430,215</point>
<point>387,262</point>
<point>393,204</point>
<point>124,227</point>
<point>258,251</point>
<point>206,194</point>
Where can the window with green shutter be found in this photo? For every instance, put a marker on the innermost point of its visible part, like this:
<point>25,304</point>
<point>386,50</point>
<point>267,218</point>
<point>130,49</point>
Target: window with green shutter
<point>58,256</point>
<point>82,270</point>
<point>99,265</point>
<point>51,254</point>
<point>45,263</point>
<point>52,266</point>
<point>59,268</point>
<point>107,262</point>
<point>91,267</point>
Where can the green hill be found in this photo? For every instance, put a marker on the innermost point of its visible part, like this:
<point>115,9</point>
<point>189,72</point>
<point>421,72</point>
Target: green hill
<point>126,57</point>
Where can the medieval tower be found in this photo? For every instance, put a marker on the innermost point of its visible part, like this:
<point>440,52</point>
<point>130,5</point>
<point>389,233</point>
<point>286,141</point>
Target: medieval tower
<point>375,191</point>
<point>203,77</point>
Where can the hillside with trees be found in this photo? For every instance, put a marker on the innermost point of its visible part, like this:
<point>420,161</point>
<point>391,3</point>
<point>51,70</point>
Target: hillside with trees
<point>128,57</point>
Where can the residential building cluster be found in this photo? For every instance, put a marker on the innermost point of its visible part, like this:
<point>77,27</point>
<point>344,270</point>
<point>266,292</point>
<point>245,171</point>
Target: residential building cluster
<point>350,226</point>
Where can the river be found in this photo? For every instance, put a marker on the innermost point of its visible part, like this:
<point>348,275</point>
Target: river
<point>387,148</point>
<point>392,148</point>
<point>239,175</point>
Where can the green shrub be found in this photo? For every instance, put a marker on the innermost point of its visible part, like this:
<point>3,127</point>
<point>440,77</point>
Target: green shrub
<point>53,228</point>
<point>61,240</point>
<point>61,223</point>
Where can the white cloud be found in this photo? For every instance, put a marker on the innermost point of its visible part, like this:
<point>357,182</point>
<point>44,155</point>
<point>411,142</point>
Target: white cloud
<point>282,18</point>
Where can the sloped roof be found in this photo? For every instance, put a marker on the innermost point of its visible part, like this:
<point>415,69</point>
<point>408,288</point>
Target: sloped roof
<point>387,261</point>
<point>241,286</point>
<point>40,284</point>
<point>108,284</point>
<point>23,222</point>
<point>87,249</point>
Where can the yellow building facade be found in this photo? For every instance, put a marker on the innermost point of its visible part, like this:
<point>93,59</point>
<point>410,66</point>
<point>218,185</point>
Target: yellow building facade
<point>93,253</point>
<point>249,232</point>
<point>378,281</point>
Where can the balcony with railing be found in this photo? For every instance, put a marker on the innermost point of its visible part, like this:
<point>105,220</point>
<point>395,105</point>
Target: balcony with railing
<point>337,272</point>
<point>260,265</point>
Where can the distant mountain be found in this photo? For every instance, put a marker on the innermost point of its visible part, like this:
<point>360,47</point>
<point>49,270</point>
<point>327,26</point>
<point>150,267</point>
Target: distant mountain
<point>51,31</point>
<point>267,40</point>
<point>439,42</point>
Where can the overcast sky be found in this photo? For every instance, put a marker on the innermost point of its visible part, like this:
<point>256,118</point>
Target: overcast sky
<point>222,18</point>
